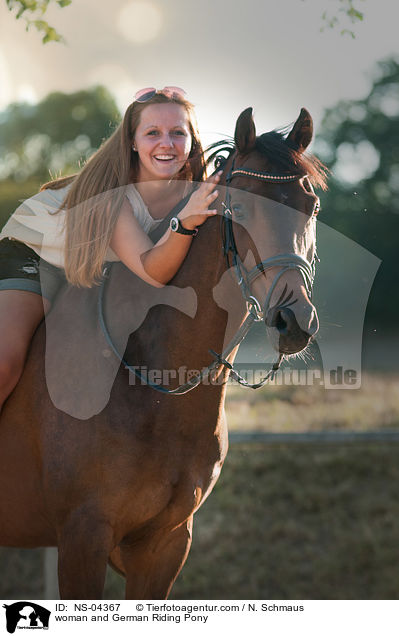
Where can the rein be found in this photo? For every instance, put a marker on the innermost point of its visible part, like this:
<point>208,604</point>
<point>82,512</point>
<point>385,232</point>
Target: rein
<point>220,360</point>
<point>244,280</point>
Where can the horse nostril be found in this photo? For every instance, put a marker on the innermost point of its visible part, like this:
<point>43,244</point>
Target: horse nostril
<point>280,323</point>
<point>278,318</point>
<point>284,320</point>
<point>291,337</point>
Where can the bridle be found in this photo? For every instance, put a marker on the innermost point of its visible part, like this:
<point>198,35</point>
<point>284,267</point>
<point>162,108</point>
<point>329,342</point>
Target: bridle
<point>286,262</point>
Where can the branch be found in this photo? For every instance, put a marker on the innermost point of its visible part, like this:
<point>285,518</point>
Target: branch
<point>347,13</point>
<point>32,12</point>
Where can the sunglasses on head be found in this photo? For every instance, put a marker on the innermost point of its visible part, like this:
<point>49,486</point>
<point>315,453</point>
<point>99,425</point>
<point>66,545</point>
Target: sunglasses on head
<point>145,94</point>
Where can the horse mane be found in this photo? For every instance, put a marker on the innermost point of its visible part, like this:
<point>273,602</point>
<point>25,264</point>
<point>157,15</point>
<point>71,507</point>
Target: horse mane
<point>280,152</point>
<point>218,147</point>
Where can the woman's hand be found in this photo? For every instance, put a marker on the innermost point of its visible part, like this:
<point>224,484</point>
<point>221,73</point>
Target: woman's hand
<point>157,264</point>
<point>196,211</point>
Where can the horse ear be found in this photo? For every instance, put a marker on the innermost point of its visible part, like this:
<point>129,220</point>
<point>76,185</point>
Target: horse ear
<point>245,132</point>
<point>302,131</point>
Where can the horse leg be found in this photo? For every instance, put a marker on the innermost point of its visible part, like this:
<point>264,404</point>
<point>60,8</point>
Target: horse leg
<point>152,565</point>
<point>84,545</point>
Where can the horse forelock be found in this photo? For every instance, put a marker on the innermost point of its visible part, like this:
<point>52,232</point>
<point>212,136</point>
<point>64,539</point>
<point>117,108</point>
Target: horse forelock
<point>284,156</point>
<point>281,154</point>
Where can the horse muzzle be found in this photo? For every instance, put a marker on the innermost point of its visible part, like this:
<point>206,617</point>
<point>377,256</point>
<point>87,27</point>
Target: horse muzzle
<point>284,332</point>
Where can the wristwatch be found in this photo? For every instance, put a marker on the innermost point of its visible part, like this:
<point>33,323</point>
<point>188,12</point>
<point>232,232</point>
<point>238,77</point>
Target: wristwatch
<point>176,226</point>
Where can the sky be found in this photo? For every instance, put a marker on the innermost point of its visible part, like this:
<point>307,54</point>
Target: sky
<point>227,55</point>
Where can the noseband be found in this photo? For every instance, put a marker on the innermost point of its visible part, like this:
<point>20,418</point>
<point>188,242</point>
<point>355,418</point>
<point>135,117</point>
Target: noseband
<point>245,279</point>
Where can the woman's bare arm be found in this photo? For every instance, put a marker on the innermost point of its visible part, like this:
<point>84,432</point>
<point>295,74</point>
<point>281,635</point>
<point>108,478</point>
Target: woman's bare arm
<point>157,264</point>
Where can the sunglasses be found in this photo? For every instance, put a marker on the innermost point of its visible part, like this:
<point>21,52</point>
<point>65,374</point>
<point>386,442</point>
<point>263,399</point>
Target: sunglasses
<point>145,94</point>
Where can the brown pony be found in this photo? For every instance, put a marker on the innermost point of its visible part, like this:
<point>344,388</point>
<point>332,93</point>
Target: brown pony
<point>122,485</point>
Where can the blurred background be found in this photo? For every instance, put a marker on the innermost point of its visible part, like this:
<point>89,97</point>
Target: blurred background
<point>312,514</point>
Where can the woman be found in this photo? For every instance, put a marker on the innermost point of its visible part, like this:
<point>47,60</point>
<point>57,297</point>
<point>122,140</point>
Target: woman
<point>104,213</point>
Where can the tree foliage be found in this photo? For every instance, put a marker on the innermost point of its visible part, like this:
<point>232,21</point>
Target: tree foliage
<point>56,135</point>
<point>344,18</point>
<point>358,140</point>
<point>32,12</point>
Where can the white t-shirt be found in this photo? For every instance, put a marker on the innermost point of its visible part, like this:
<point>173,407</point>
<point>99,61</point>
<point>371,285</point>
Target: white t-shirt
<point>38,224</point>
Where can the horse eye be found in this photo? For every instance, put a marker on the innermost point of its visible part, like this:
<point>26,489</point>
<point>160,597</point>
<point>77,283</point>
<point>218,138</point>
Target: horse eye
<point>220,162</point>
<point>238,210</point>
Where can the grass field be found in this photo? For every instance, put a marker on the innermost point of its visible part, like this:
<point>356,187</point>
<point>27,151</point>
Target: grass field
<point>297,522</point>
<point>282,409</point>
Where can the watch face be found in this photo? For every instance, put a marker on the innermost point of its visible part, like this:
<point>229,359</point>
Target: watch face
<point>174,224</point>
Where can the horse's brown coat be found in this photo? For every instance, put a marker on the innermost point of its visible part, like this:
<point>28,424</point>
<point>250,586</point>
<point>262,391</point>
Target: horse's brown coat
<point>124,484</point>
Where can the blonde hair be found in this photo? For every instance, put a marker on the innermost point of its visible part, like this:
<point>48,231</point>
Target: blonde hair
<point>97,192</point>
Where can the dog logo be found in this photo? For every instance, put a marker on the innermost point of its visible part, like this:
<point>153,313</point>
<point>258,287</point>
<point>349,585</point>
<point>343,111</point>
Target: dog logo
<point>26,615</point>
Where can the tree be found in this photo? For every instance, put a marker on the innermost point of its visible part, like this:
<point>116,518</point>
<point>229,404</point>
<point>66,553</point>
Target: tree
<point>32,12</point>
<point>346,15</point>
<point>55,135</point>
<point>358,141</point>
<point>50,138</point>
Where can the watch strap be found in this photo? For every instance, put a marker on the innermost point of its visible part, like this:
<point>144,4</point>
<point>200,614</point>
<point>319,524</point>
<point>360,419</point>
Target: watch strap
<point>177,226</point>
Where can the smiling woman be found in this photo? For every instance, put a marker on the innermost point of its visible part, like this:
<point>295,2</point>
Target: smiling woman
<point>162,140</point>
<point>139,22</point>
<point>75,224</point>
<point>122,486</point>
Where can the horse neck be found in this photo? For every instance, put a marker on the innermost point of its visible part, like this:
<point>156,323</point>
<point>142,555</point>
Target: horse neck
<point>170,338</point>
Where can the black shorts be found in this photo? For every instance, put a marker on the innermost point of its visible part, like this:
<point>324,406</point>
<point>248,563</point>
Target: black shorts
<point>23,270</point>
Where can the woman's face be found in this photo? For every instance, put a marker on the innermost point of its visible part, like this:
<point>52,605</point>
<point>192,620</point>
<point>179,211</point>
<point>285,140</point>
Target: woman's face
<point>163,141</point>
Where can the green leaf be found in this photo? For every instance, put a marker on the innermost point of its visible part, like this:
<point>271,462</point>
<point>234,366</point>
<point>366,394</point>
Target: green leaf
<point>41,25</point>
<point>353,13</point>
<point>51,36</point>
<point>28,5</point>
<point>347,32</point>
<point>36,9</point>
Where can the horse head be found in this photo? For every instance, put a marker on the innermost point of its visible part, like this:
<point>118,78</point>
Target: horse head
<point>270,211</point>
